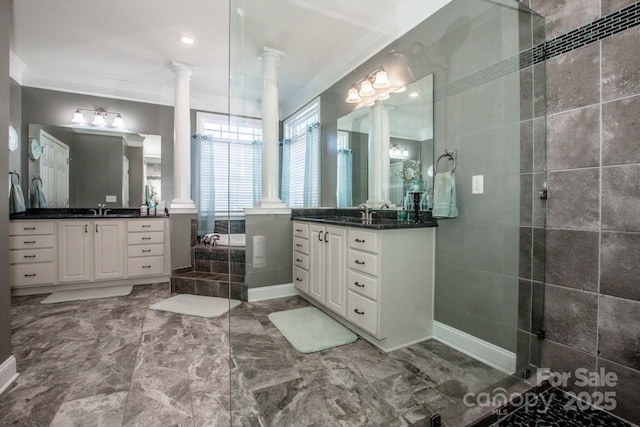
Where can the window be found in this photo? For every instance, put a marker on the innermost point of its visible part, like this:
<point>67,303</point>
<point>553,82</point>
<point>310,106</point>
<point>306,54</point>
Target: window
<point>229,162</point>
<point>300,186</point>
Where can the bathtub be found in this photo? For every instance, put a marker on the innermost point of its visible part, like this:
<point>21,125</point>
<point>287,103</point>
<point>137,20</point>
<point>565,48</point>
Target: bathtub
<point>219,239</point>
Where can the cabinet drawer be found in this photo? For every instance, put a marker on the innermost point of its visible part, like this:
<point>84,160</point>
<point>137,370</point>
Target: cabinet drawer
<point>301,279</point>
<point>30,255</point>
<point>362,312</point>
<point>148,266</point>
<point>362,261</point>
<point>145,238</point>
<point>363,240</point>
<point>145,225</point>
<point>301,245</point>
<point>301,230</point>
<point>301,260</point>
<point>29,242</point>
<point>363,285</point>
<point>145,250</point>
<point>27,228</point>
<point>30,274</point>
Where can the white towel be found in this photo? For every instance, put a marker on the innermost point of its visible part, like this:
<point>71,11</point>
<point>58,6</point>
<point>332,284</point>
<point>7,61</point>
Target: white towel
<point>16,198</point>
<point>444,196</point>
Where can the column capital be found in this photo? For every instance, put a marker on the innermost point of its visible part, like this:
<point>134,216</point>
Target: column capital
<point>182,69</point>
<point>269,52</point>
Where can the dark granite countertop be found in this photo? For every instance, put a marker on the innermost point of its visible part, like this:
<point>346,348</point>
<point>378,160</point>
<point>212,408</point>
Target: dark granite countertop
<point>383,219</point>
<point>78,213</point>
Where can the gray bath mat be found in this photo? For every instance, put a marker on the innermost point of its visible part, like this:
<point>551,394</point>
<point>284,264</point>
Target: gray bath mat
<point>86,294</point>
<point>196,305</point>
<point>309,329</point>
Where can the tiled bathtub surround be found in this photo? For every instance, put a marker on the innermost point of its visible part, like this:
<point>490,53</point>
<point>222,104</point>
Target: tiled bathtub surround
<point>592,312</point>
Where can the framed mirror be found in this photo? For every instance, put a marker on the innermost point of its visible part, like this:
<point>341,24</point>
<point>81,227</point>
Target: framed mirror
<point>407,134</point>
<point>81,168</point>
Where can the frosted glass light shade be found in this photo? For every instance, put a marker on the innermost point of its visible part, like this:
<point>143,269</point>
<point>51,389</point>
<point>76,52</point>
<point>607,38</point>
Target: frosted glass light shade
<point>98,120</point>
<point>353,97</point>
<point>78,117</point>
<point>382,80</point>
<point>118,122</point>
<point>366,89</point>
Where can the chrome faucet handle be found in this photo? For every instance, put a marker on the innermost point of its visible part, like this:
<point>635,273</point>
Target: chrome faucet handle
<point>104,213</point>
<point>363,215</point>
<point>371,214</point>
<point>384,206</point>
<point>95,212</point>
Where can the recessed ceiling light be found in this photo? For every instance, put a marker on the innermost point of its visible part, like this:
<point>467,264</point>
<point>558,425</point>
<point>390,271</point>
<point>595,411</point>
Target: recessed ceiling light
<point>186,39</point>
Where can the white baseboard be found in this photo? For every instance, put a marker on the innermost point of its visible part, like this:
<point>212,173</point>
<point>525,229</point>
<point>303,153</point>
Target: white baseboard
<point>47,289</point>
<point>485,352</point>
<point>8,373</point>
<point>272,292</point>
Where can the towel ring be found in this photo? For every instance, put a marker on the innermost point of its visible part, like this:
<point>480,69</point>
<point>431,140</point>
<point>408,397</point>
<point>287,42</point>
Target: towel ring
<point>14,173</point>
<point>449,156</point>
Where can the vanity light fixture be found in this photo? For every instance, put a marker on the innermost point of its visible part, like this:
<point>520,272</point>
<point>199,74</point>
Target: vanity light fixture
<point>374,85</point>
<point>396,152</point>
<point>100,118</point>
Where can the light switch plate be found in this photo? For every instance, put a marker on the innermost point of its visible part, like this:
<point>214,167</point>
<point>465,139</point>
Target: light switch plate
<point>477,184</point>
<point>112,199</point>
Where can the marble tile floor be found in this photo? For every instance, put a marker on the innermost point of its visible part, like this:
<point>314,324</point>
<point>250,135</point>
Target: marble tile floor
<point>113,362</point>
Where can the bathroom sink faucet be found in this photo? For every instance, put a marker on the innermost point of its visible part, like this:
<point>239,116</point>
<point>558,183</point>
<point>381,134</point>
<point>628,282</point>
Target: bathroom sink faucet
<point>364,214</point>
<point>100,206</point>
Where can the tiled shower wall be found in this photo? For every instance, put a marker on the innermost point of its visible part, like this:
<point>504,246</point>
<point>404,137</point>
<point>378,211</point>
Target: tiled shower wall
<point>592,295</point>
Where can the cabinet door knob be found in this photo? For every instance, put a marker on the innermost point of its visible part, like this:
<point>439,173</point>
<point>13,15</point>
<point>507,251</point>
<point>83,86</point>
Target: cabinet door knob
<point>298,245</point>
<point>29,228</point>
<point>299,230</point>
<point>146,226</point>
<point>29,256</point>
<point>358,312</point>
<point>298,279</point>
<point>320,236</point>
<point>96,228</point>
<point>86,228</point>
<point>30,275</point>
<point>360,240</point>
<point>146,250</point>
<point>359,262</point>
<point>325,237</point>
<point>298,260</point>
<point>146,266</point>
<point>146,238</point>
<point>28,242</point>
<point>358,285</point>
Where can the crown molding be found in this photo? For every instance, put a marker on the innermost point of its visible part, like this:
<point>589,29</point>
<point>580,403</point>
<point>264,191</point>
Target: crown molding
<point>363,49</point>
<point>16,67</point>
<point>65,81</point>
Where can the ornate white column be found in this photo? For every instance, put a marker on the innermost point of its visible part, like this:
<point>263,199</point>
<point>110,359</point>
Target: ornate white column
<point>270,124</point>
<point>182,202</point>
<point>379,167</point>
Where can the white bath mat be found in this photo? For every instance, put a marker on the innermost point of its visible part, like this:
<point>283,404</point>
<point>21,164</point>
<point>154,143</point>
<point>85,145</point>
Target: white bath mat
<point>309,329</point>
<point>85,294</point>
<point>196,305</point>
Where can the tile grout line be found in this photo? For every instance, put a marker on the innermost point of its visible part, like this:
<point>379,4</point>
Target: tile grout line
<point>597,352</point>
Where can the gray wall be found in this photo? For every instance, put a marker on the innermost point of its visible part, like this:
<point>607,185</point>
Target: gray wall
<point>592,304</point>
<point>5,299</point>
<point>56,108</point>
<point>136,184</point>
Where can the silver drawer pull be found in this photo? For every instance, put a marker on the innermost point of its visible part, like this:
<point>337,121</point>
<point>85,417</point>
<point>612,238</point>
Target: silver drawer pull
<point>29,256</point>
<point>298,279</point>
<point>146,226</point>
<point>146,250</point>
<point>359,262</point>
<point>360,240</point>
<point>358,312</point>
<point>146,266</point>
<point>358,285</point>
<point>28,242</point>
<point>29,228</point>
<point>299,230</point>
<point>30,275</point>
<point>146,238</point>
<point>297,245</point>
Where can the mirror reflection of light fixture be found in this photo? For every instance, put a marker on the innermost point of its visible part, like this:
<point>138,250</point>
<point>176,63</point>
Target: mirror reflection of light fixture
<point>396,152</point>
<point>366,89</point>
<point>100,118</point>
<point>382,80</point>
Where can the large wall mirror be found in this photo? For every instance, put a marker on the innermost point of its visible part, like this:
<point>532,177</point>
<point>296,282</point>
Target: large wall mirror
<point>407,135</point>
<point>81,167</point>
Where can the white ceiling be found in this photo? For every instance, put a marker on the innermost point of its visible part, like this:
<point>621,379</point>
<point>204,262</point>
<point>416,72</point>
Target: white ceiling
<point>123,48</point>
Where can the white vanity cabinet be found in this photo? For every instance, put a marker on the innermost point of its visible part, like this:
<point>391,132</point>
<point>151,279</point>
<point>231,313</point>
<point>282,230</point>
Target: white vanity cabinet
<point>90,250</point>
<point>74,253</point>
<point>31,253</point>
<point>378,282</point>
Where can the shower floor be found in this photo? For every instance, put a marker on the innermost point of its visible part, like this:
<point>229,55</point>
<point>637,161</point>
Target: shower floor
<point>113,361</point>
